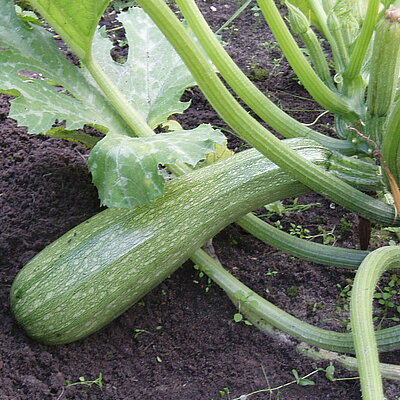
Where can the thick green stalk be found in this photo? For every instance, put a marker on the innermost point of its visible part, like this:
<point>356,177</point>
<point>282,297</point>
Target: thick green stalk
<point>266,315</point>
<point>305,249</point>
<point>254,133</point>
<point>134,120</point>
<point>319,91</point>
<point>357,57</point>
<point>384,73</point>
<point>391,141</point>
<point>317,56</point>
<point>247,91</point>
<point>335,28</point>
<point>367,276</point>
<point>320,15</point>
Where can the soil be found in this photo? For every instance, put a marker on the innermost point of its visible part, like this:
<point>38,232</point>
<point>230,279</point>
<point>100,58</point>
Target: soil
<point>180,342</point>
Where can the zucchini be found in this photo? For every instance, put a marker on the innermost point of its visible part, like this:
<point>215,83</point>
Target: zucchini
<point>100,268</point>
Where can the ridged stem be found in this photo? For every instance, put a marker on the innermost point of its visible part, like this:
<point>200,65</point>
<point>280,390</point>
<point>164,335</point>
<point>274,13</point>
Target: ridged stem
<point>254,133</point>
<point>266,315</point>
<point>304,249</point>
<point>361,309</point>
<point>317,56</point>
<point>335,28</point>
<point>359,52</point>
<point>321,17</point>
<point>129,114</point>
<point>247,91</point>
<point>391,141</point>
<point>384,73</point>
<point>319,91</point>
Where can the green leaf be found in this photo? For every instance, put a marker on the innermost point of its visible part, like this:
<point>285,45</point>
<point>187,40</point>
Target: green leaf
<point>305,382</point>
<point>31,49</point>
<point>81,138</point>
<point>125,170</point>
<point>74,20</point>
<point>238,317</point>
<point>330,372</point>
<point>154,77</point>
<point>27,16</point>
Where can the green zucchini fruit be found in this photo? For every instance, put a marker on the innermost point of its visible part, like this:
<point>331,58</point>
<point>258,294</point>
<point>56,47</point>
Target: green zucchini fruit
<point>100,268</point>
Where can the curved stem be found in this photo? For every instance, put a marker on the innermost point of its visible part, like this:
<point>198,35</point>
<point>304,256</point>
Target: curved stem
<point>267,316</point>
<point>129,114</point>
<point>304,249</point>
<point>254,133</point>
<point>247,91</point>
<point>357,57</point>
<point>321,93</point>
<point>367,276</point>
<point>317,56</point>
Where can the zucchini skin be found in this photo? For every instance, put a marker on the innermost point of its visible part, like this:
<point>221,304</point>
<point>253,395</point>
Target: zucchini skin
<point>100,268</point>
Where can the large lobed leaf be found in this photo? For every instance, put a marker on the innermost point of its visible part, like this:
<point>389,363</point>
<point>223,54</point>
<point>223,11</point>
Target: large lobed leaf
<point>153,78</point>
<point>25,47</point>
<point>126,170</point>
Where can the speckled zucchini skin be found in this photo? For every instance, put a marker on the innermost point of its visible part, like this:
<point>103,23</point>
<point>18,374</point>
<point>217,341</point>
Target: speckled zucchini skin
<point>103,266</point>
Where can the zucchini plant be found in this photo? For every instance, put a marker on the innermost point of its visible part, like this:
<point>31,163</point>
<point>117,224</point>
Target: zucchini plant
<point>78,284</point>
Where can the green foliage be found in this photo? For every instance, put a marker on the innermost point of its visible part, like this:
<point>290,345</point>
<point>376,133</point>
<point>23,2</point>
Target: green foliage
<point>74,20</point>
<point>278,207</point>
<point>31,48</point>
<point>153,78</point>
<point>202,275</point>
<point>388,300</point>
<point>125,170</point>
<point>83,381</point>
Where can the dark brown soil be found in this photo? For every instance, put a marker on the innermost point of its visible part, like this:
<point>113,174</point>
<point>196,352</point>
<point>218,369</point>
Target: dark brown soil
<point>180,342</point>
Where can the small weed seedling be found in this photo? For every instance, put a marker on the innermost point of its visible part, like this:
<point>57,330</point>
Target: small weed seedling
<point>343,303</point>
<point>346,224</point>
<point>82,381</point>
<point>298,380</point>
<point>386,299</point>
<point>271,272</point>
<point>328,237</point>
<point>243,299</point>
<point>277,207</point>
<point>299,231</point>
<point>139,332</point>
<point>201,275</point>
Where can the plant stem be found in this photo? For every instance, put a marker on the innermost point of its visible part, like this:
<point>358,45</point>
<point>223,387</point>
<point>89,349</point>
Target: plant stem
<point>388,371</point>
<point>357,57</point>
<point>321,93</point>
<point>254,133</point>
<point>247,91</point>
<point>317,56</point>
<point>391,141</point>
<point>337,37</point>
<point>367,276</point>
<point>267,316</point>
<point>321,18</point>
<point>128,113</point>
<point>305,249</point>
